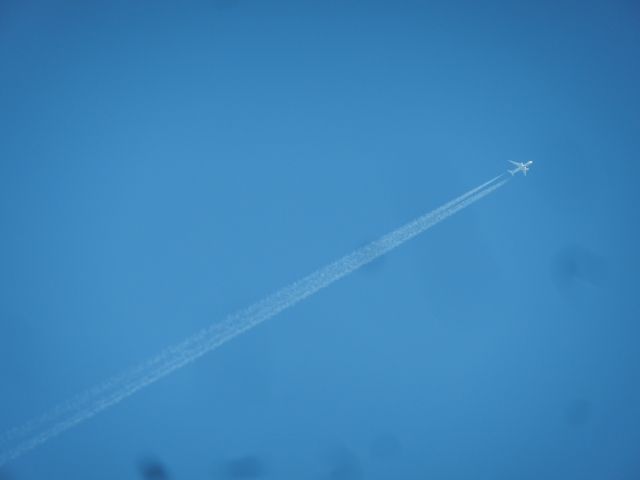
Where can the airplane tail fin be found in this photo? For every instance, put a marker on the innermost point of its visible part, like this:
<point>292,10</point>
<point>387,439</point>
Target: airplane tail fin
<point>513,172</point>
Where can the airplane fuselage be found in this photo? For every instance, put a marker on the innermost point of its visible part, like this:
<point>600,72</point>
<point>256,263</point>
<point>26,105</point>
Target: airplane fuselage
<point>521,167</point>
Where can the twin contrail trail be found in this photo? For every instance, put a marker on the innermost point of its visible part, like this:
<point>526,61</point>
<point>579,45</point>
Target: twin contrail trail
<point>20,440</point>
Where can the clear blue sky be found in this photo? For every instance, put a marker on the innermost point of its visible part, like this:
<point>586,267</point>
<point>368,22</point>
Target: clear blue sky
<point>163,164</point>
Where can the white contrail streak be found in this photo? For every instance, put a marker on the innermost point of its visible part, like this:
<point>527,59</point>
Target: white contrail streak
<point>20,440</point>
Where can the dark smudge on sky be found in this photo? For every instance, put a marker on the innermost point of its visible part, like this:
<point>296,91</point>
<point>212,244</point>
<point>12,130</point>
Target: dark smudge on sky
<point>248,466</point>
<point>151,469</point>
<point>573,265</point>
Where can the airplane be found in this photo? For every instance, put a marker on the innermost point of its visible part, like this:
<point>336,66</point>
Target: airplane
<point>521,167</point>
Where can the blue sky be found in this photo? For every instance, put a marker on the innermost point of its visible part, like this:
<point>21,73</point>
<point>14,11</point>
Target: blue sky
<point>163,165</point>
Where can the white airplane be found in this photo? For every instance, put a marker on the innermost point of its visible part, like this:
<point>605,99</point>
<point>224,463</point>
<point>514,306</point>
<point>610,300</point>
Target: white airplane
<point>521,167</point>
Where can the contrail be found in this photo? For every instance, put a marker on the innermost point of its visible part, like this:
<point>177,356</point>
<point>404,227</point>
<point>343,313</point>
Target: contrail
<point>18,441</point>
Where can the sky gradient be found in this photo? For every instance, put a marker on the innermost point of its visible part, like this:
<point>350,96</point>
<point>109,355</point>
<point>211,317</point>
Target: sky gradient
<point>164,165</point>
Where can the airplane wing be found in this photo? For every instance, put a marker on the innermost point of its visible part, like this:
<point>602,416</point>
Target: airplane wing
<point>515,163</point>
